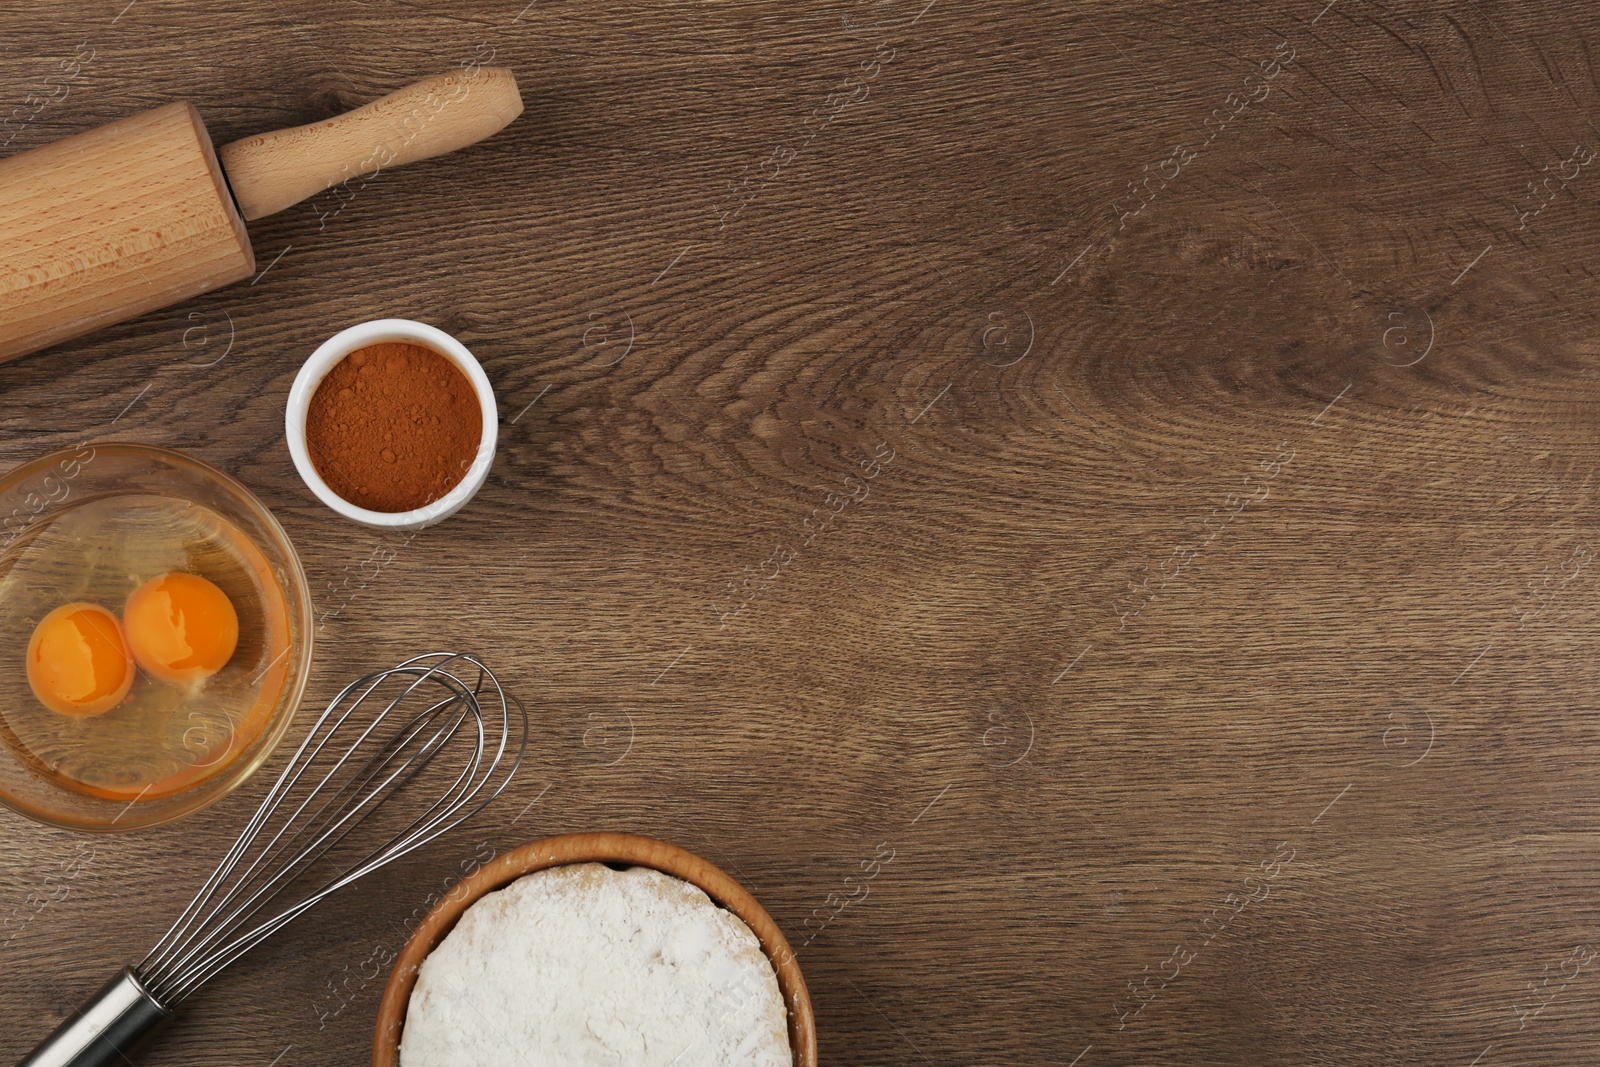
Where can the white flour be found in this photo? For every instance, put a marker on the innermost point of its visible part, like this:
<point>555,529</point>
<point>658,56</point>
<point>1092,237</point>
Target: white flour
<point>584,965</point>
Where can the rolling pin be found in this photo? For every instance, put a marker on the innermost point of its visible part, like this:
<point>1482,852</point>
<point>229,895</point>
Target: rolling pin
<point>142,213</point>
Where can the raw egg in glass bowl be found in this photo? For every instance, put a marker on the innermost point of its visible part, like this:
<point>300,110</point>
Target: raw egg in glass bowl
<point>155,636</point>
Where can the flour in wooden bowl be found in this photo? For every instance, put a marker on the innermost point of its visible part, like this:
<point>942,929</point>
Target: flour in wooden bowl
<point>584,965</point>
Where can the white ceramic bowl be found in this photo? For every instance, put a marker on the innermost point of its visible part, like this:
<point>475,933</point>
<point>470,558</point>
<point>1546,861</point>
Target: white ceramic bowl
<point>379,331</point>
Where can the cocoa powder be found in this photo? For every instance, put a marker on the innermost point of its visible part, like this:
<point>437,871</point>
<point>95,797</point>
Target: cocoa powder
<point>393,426</point>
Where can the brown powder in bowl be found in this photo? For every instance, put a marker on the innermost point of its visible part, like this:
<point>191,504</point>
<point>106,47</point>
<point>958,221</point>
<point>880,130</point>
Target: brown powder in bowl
<point>393,427</point>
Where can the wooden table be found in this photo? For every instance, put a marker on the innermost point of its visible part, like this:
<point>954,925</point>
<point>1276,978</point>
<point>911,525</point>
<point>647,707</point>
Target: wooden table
<point>1129,469</point>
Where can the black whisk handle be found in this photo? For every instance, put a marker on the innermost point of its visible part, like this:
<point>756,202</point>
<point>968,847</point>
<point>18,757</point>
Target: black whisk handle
<point>106,1030</point>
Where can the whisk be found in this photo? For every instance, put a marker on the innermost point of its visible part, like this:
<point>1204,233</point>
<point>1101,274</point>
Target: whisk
<point>349,765</point>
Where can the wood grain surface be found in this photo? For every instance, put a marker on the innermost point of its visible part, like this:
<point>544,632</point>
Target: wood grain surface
<point>1122,472</point>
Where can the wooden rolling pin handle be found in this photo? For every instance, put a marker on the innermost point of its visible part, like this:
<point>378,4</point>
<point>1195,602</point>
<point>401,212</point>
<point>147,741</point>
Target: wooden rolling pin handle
<point>272,171</point>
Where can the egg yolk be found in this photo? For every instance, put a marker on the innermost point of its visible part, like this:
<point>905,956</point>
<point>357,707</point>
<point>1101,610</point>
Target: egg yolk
<point>181,627</point>
<point>78,662</point>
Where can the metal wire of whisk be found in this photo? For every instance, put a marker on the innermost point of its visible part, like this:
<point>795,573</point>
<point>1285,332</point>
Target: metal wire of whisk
<point>443,713</point>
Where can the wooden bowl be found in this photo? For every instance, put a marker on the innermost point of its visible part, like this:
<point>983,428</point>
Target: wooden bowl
<point>594,848</point>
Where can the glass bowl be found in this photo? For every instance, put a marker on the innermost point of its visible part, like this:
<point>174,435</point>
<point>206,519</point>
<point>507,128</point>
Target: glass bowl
<point>88,524</point>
